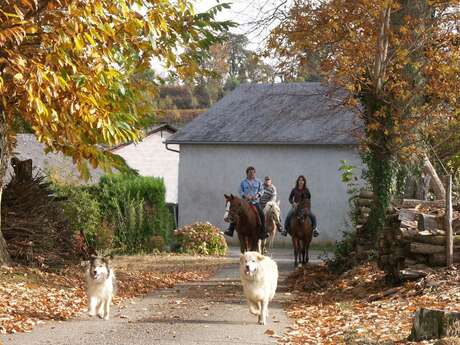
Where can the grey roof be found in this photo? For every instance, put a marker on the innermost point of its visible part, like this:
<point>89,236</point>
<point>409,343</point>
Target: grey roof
<point>288,113</point>
<point>55,164</point>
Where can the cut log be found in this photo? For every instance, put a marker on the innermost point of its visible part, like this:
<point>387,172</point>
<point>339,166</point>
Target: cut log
<point>434,324</point>
<point>435,182</point>
<point>364,202</point>
<point>436,240</point>
<point>408,214</point>
<point>366,194</point>
<point>409,224</point>
<point>424,248</point>
<point>411,203</point>
<point>439,259</point>
<point>430,222</point>
<point>408,274</point>
<point>383,294</point>
<point>365,210</point>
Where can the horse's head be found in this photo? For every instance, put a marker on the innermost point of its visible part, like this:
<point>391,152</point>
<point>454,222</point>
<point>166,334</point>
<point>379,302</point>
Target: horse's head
<point>303,209</point>
<point>272,210</point>
<point>232,208</point>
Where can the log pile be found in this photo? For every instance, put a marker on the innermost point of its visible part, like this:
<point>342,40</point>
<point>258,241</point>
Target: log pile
<point>363,204</point>
<point>414,237</point>
<point>34,225</point>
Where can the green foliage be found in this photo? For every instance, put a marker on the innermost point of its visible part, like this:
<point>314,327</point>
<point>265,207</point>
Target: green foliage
<point>381,175</point>
<point>136,207</point>
<point>343,260</point>
<point>84,215</point>
<point>201,238</point>
<point>344,249</point>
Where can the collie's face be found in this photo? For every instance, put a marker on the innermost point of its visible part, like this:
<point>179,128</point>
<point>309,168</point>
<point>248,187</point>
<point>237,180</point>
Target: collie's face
<point>99,268</point>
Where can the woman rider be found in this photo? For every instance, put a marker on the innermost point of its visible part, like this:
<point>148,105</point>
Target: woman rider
<point>300,190</point>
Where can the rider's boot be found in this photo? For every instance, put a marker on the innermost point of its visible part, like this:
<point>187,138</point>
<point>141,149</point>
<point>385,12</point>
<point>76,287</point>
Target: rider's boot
<point>230,230</point>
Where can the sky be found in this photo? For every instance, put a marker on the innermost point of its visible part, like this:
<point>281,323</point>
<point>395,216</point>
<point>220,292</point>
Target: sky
<point>247,13</point>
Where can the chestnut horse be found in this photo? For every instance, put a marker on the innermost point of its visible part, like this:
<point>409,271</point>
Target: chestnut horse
<point>246,222</point>
<point>301,231</point>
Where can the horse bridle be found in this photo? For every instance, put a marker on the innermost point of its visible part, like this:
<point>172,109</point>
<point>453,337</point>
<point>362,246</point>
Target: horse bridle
<point>233,213</point>
<point>301,214</point>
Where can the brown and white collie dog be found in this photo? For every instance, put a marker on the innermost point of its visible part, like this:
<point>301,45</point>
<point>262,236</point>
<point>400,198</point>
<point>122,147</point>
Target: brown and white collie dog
<point>100,286</point>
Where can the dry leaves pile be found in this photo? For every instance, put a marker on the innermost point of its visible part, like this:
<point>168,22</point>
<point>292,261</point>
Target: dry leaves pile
<point>29,296</point>
<point>358,308</point>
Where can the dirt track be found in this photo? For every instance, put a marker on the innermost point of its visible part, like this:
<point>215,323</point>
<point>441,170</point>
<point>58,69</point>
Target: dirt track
<point>210,312</point>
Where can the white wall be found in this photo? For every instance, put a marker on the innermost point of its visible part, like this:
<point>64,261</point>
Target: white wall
<point>151,158</point>
<point>206,172</point>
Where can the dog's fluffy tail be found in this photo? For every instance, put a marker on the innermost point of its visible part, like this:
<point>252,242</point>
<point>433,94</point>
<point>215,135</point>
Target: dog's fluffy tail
<point>254,308</point>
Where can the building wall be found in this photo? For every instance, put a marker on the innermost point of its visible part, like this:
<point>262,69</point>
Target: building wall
<point>151,158</point>
<point>207,172</point>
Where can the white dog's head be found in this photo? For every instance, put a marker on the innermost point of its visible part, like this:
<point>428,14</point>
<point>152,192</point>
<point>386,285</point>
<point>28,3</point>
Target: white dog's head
<point>99,267</point>
<point>249,262</point>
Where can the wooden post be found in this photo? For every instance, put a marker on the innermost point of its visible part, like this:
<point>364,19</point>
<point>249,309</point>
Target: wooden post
<point>448,223</point>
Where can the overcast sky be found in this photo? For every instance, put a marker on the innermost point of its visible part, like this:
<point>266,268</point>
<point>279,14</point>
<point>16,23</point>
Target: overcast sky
<point>245,13</point>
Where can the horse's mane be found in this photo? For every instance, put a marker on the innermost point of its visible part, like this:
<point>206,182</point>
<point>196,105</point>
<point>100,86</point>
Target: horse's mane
<point>303,204</point>
<point>272,206</point>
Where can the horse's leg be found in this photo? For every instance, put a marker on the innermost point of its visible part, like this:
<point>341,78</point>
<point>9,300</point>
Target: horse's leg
<point>271,237</point>
<point>307,243</point>
<point>294,245</point>
<point>304,251</point>
<point>242,242</point>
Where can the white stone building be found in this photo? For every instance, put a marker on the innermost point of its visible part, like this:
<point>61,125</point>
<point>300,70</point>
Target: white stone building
<point>151,158</point>
<point>283,130</point>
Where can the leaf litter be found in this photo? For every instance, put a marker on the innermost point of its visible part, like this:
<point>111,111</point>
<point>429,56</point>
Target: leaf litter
<point>358,307</point>
<point>29,296</point>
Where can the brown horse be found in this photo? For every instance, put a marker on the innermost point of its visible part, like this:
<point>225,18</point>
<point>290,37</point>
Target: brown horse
<point>247,223</point>
<point>301,231</point>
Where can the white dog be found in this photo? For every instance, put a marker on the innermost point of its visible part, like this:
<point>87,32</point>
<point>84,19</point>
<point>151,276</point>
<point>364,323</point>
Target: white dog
<point>100,286</point>
<point>259,277</point>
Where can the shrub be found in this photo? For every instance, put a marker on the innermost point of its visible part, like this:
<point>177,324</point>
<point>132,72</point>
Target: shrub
<point>136,207</point>
<point>82,211</point>
<point>201,238</point>
<point>344,253</point>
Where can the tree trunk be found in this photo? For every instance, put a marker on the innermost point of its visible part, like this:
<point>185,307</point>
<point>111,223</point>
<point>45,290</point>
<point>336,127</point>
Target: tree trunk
<point>4,157</point>
<point>4,255</point>
<point>435,182</point>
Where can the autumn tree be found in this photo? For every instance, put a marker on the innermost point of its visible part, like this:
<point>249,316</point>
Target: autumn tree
<point>68,69</point>
<point>399,61</point>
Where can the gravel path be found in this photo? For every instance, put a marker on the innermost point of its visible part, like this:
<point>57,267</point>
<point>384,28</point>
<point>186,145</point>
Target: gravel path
<point>209,312</point>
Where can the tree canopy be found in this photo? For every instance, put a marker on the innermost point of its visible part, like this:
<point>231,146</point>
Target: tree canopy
<point>399,61</point>
<point>68,68</point>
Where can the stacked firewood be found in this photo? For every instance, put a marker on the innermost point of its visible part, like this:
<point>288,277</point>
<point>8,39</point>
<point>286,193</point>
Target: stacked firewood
<point>414,237</point>
<point>363,204</point>
<point>34,225</point>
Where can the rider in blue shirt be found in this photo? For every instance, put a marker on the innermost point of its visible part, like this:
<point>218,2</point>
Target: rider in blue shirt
<point>251,189</point>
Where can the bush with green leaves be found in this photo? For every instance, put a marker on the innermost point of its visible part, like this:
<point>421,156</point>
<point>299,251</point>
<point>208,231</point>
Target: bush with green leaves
<point>136,207</point>
<point>201,238</point>
<point>84,215</point>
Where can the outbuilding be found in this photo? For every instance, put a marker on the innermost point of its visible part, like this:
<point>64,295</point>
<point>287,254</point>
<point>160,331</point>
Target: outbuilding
<point>283,130</point>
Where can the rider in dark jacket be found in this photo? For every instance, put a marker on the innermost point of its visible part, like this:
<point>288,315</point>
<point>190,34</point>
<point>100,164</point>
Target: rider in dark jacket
<point>300,190</point>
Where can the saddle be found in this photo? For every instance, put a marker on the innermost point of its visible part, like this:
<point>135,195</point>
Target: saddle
<point>254,209</point>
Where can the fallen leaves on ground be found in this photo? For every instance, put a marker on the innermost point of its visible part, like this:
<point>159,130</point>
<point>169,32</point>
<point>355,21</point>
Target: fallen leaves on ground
<point>29,296</point>
<point>330,309</point>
